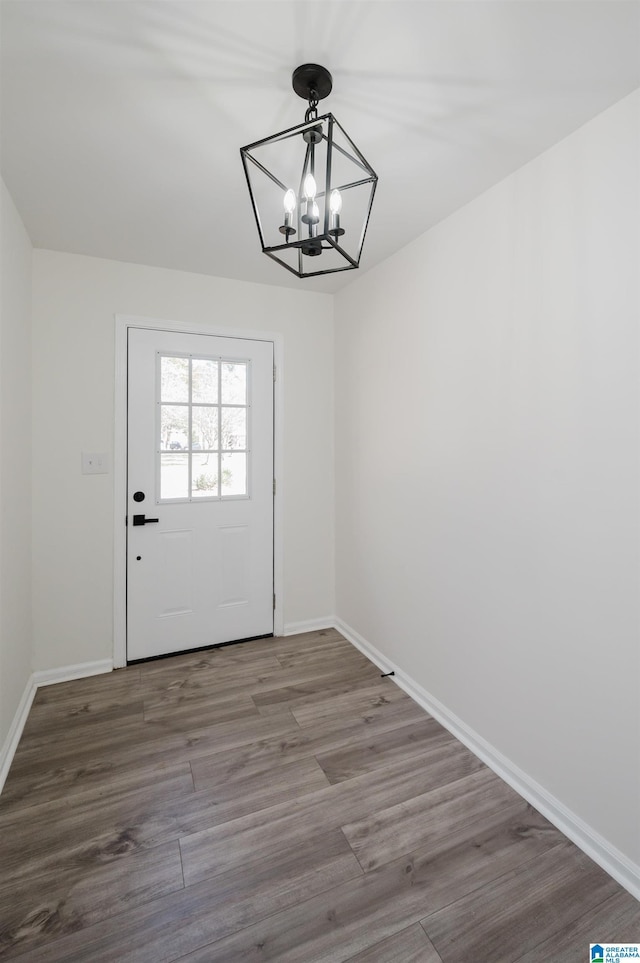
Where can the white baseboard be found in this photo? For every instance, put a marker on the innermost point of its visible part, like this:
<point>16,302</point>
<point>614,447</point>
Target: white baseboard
<point>619,866</point>
<point>68,672</point>
<point>8,750</point>
<point>37,679</point>
<point>312,625</point>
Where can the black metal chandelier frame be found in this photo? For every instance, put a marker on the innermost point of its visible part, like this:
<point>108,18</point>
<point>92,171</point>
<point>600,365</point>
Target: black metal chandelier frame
<point>313,82</point>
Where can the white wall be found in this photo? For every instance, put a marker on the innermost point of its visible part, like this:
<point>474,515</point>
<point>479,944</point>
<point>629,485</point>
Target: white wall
<point>487,468</point>
<point>15,463</point>
<point>74,303</point>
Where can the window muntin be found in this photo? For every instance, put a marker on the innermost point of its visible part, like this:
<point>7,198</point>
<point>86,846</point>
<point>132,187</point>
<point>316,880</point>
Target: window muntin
<point>203,427</point>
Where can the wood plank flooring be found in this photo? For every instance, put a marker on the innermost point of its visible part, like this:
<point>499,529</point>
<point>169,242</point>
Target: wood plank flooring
<point>277,800</point>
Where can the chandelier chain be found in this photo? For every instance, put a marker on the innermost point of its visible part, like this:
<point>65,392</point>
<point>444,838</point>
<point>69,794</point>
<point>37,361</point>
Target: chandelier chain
<point>312,110</point>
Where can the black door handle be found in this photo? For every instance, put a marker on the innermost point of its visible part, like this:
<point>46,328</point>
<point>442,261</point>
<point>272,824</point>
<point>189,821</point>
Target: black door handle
<point>143,520</point>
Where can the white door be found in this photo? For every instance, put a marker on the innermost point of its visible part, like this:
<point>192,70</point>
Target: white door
<point>200,491</point>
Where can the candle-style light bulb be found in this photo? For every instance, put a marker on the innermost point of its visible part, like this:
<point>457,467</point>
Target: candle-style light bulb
<point>335,206</point>
<point>310,188</point>
<point>289,202</point>
<point>314,217</point>
<point>289,208</point>
<point>307,204</point>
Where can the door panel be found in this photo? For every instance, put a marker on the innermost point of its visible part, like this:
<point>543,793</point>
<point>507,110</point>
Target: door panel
<point>200,453</point>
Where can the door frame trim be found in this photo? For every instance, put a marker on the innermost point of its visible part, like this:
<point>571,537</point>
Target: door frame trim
<point>122,324</point>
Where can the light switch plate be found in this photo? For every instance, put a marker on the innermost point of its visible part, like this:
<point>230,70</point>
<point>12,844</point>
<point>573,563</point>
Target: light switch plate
<point>95,463</point>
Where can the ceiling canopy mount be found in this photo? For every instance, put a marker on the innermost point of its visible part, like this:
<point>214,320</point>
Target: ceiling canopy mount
<point>312,82</point>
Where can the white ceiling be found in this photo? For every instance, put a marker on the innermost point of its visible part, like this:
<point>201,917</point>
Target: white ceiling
<point>122,121</point>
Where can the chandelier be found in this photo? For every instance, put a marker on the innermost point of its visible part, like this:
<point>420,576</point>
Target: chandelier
<point>311,189</point>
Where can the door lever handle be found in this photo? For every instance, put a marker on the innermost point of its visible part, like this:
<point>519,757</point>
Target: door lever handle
<point>143,520</point>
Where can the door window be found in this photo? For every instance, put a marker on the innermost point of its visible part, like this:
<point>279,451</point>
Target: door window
<point>203,428</point>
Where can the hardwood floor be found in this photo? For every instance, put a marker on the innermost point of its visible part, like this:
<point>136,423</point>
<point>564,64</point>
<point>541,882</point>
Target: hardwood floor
<point>277,800</point>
